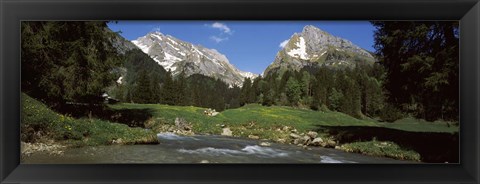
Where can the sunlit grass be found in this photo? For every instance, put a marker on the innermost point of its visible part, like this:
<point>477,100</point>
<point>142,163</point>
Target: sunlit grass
<point>36,117</point>
<point>265,117</point>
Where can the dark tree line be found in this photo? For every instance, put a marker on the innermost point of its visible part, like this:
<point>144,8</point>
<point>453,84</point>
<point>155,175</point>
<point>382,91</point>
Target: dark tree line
<point>195,90</point>
<point>147,82</point>
<point>354,91</point>
<point>417,74</point>
<point>78,62</point>
<point>421,61</point>
<point>67,61</point>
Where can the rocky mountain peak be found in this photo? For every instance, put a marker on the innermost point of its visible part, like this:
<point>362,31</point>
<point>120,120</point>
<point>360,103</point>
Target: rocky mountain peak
<point>309,29</point>
<point>315,47</point>
<point>181,56</point>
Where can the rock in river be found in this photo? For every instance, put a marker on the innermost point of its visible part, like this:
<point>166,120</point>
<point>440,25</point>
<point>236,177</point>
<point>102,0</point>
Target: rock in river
<point>265,144</point>
<point>227,132</point>
<point>295,136</point>
<point>317,141</point>
<point>312,134</point>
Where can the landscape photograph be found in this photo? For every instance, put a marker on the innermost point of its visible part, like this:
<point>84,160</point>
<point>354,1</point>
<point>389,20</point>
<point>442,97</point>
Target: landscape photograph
<point>252,92</point>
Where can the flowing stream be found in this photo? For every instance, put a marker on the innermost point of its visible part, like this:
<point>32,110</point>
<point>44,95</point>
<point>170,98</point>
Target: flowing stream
<point>205,149</point>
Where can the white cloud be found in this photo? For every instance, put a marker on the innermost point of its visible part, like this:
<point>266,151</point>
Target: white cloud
<point>218,39</point>
<point>283,44</point>
<point>224,34</point>
<point>222,27</point>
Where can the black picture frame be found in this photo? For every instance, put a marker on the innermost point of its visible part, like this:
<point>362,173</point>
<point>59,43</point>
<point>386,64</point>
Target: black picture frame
<point>13,11</point>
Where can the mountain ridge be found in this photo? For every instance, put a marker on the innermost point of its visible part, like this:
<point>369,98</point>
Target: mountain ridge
<point>315,47</point>
<point>181,56</point>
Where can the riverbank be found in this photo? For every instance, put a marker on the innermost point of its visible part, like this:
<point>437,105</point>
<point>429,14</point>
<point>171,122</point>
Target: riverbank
<point>27,149</point>
<point>336,130</point>
<point>43,130</point>
<point>127,124</point>
<point>307,141</point>
<point>205,149</point>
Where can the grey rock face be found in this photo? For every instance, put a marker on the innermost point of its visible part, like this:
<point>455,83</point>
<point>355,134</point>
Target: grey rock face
<point>180,56</point>
<point>315,47</point>
<point>121,44</point>
<point>318,40</point>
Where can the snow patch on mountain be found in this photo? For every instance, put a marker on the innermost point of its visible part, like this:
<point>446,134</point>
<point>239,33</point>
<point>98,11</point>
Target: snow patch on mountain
<point>180,56</point>
<point>157,36</point>
<point>169,57</point>
<point>249,75</point>
<point>143,47</point>
<point>314,47</point>
<point>300,51</point>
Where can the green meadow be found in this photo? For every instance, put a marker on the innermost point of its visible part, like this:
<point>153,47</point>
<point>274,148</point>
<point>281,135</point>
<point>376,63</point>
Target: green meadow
<point>277,116</point>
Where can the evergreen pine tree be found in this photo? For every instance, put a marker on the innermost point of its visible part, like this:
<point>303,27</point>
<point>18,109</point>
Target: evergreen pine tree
<point>143,89</point>
<point>168,90</point>
<point>293,91</point>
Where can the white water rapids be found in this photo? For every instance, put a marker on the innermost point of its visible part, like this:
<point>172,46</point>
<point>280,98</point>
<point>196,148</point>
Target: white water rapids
<point>205,149</point>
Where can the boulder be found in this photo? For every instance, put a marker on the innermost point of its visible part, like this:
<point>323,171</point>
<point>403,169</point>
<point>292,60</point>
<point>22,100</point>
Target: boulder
<point>312,134</point>
<point>117,141</point>
<point>295,136</point>
<point>317,141</point>
<point>281,140</point>
<point>298,141</point>
<point>253,137</point>
<point>265,144</point>
<point>184,132</point>
<point>210,112</point>
<point>226,132</point>
<point>331,143</point>
<point>306,140</point>
<point>182,124</point>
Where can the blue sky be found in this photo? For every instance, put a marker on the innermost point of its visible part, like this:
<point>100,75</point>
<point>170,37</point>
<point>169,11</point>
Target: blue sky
<point>249,45</point>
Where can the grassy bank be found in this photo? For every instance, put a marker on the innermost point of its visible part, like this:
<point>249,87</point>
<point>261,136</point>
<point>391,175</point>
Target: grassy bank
<point>41,125</point>
<point>250,120</point>
<point>277,123</point>
<point>409,139</point>
<point>263,117</point>
<point>378,148</point>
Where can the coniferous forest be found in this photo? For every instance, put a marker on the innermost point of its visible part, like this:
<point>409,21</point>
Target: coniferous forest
<point>74,65</point>
<point>416,74</point>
